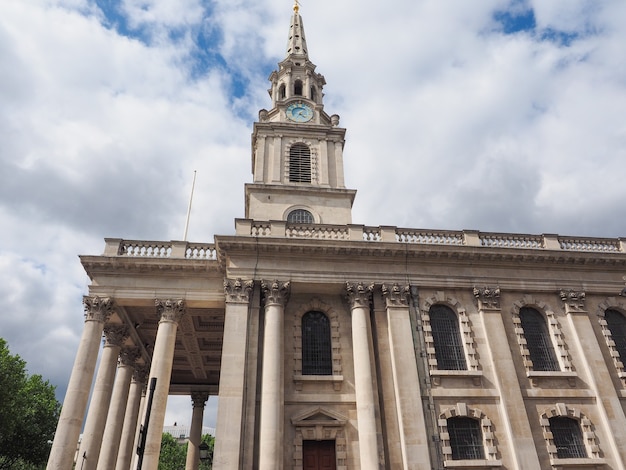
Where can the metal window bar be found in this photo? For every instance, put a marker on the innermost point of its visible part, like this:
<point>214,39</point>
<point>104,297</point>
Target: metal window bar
<point>316,346</point>
<point>299,164</point>
<point>300,216</point>
<point>616,323</point>
<point>568,438</point>
<point>447,338</point>
<point>538,340</point>
<point>466,439</point>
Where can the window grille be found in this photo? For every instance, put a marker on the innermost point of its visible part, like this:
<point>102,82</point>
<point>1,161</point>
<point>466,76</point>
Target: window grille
<point>538,341</point>
<point>616,322</point>
<point>316,347</point>
<point>299,164</point>
<point>568,438</point>
<point>466,439</point>
<point>447,339</point>
<point>300,216</point>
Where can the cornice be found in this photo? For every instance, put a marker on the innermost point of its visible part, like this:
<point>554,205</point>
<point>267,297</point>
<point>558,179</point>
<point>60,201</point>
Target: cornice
<point>94,265</point>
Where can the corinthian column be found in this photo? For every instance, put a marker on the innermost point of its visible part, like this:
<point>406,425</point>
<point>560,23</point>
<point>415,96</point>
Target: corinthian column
<point>89,451</point>
<point>169,312</point>
<point>272,380</point>
<point>115,418</point>
<point>97,312</point>
<point>195,433</point>
<point>360,297</point>
<point>127,449</point>
<point>229,432</point>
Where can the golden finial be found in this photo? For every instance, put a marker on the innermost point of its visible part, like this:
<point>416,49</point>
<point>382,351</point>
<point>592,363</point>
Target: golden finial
<point>296,6</point>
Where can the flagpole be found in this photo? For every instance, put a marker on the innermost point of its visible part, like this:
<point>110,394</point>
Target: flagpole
<point>193,184</point>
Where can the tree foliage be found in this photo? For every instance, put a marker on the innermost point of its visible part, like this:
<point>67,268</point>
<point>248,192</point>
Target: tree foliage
<point>29,413</point>
<point>173,455</point>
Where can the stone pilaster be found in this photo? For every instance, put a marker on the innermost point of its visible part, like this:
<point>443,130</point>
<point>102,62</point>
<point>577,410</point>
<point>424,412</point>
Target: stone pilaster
<point>198,399</point>
<point>360,297</point>
<point>229,428</point>
<point>169,312</point>
<point>593,366</point>
<point>131,417</point>
<point>275,295</point>
<point>513,411</point>
<point>410,413</point>
<point>119,399</point>
<point>89,451</point>
<point>97,312</point>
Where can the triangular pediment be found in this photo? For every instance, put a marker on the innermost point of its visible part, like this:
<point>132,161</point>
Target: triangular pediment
<point>319,416</point>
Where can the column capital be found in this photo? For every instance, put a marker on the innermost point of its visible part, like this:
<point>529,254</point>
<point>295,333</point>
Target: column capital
<point>115,335</point>
<point>396,295</point>
<point>238,291</point>
<point>170,309</point>
<point>199,399</point>
<point>129,355</point>
<point>574,301</point>
<point>359,294</point>
<point>98,308</point>
<point>140,375</point>
<point>276,292</point>
<point>488,297</point>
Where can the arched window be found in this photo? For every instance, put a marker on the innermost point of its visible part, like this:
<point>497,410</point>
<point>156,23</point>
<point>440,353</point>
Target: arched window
<point>466,438</point>
<point>616,322</point>
<point>447,338</point>
<point>297,88</point>
<point>316,347</point>
<point>313,93</point>
<point>567,437</point>
<point>300,216</point>
<point>538,342</point>
<point>281,91</point>
<point>299,164</point>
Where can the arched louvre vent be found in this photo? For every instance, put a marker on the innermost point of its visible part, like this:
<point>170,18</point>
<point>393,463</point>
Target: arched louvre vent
<point>300,216</point>
<point>299,164</point>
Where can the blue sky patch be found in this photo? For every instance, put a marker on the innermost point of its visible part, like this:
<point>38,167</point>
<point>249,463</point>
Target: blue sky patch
<point>516,21</point>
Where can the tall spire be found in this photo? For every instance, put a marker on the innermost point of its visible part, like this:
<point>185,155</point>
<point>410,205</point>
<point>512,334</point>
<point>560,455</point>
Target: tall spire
<point>296,46</point>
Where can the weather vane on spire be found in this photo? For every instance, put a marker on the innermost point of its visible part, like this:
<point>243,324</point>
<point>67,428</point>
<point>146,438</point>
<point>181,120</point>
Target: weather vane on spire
<point>296,6</point>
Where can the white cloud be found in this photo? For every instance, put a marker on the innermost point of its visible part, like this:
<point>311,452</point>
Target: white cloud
<point>451,124</point>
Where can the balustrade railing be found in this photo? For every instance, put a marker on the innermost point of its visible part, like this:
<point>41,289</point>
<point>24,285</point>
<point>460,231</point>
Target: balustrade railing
<point>508,240</point>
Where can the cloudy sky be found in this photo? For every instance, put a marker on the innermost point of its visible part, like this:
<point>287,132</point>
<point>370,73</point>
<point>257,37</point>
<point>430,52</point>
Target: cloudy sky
<point>495,115</point>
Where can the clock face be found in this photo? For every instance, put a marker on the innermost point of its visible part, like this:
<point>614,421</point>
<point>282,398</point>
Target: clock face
<point>299,112</point>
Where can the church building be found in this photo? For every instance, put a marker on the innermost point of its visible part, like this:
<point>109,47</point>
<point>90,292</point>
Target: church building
<point>333,345</point>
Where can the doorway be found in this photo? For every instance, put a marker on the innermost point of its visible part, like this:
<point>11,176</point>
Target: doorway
<point>318,455</point>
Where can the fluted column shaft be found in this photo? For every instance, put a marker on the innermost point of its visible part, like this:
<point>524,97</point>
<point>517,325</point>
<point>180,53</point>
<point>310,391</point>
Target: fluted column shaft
<point>170,312</point>
<point>127,440</point>
<point>97,312</point>
<point>115,418</point>
<point>272,379</point>
<point>359,297</point>
<point>195,433</point>
<point>140,415</point>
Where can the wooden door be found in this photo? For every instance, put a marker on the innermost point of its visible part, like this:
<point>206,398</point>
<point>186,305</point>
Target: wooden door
<point>318,455</point>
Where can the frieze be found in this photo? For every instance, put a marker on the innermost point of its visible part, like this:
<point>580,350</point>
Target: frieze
<point>276,292</point>
<point>238,291</point>
<point>98,308</point>
<point>396,295</point>
<point>115,335</point>
<point>170,309</point>
<point>488,297</point>
<point>359,295</point>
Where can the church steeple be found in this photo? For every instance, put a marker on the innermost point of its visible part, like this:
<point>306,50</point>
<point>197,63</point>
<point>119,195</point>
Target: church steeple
<point>297,149</point>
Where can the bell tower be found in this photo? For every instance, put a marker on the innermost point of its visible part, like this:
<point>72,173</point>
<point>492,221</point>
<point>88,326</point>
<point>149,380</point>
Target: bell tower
<point>297,148</point>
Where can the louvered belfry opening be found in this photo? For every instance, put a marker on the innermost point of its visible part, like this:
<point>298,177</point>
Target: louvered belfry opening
<point>466,438</point>
<point>316,347</point>
<point>299,164</point>
<point>300,216</point>
<point>447,338</point>
<point>538,340</point>
<point>616,323</point>
<point>568,438</point>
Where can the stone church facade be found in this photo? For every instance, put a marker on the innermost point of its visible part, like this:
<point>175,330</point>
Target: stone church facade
<point>333,345</point>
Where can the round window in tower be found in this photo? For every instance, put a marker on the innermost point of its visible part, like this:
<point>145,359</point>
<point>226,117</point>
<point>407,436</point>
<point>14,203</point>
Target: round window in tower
<point>300,216</point>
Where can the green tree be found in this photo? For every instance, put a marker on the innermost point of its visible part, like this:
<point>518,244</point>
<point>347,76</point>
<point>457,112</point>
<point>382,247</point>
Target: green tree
<point>174,455</point>
<point>29,413</point>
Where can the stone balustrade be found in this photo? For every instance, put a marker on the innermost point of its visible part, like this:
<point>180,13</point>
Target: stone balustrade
<point>384,234</point>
